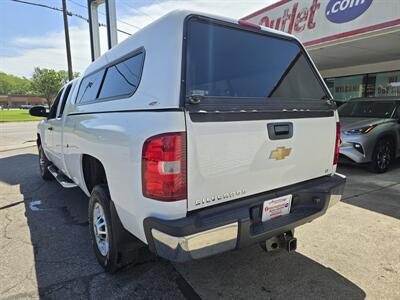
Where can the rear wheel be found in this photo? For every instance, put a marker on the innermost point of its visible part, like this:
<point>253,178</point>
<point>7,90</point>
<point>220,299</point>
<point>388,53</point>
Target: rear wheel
<point>382,156</point>
<point>110,244</point>
<point>44,164</point>
<point>101,229</point>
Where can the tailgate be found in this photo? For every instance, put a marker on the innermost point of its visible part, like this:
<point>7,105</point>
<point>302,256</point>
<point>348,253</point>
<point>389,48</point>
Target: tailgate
<point>230,160</point>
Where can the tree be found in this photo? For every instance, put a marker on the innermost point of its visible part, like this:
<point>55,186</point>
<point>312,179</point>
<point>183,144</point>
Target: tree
<point>44,82</point>
<point>13,85</point>
<point>47,82</point>
<point>65,74</point>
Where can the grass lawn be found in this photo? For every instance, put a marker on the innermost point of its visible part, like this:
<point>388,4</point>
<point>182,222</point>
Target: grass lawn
<point>17,115</point>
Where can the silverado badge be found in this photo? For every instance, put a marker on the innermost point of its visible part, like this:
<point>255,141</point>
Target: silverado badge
<point>280,153</point>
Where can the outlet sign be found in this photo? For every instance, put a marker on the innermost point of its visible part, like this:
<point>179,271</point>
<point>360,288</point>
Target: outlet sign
<point>319,21</point>
<point>342,11</point>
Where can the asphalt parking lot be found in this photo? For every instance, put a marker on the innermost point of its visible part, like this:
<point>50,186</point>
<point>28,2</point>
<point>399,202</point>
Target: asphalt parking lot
<point>17,135</point>
<point>353,252</point>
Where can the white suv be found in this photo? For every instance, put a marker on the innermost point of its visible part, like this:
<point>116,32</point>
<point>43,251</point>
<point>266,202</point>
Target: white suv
<point>196,135</point>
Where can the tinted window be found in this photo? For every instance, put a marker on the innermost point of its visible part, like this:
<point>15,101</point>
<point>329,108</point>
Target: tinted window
<point>64,100</point>
<point>397,113</point>
<point>122,78</point>
<point>367,109</point>
<point>89,87</point>
<point>53,109</point>
<point>230,62</point>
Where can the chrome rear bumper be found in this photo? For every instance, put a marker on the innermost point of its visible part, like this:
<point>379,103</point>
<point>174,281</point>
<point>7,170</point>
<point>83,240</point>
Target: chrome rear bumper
<point>238,224</point>
<point>198,245</point>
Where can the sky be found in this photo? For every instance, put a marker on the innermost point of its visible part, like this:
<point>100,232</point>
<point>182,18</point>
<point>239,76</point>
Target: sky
<point>34,36</point>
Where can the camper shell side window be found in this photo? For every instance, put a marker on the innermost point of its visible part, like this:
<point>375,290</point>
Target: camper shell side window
<point>118,79</point>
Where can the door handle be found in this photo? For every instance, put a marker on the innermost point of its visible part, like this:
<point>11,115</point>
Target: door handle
<point>50,128</point>
<point>280,131</point>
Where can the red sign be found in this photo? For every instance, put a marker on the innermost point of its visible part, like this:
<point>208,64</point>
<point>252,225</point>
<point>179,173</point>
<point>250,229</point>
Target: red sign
<point>296,18</point>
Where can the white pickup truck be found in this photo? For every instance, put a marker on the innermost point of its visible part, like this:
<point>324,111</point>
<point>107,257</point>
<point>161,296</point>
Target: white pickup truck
<point>196,135</point>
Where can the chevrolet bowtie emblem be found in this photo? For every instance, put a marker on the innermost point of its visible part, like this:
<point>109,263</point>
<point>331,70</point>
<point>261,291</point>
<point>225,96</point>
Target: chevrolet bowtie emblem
<point>280,153</point>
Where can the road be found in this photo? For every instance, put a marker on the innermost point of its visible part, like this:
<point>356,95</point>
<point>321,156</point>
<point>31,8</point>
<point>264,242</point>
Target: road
<point>14,135</point>
<point>352,252</point>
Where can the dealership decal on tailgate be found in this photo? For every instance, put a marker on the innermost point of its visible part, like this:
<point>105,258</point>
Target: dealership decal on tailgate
<point>276,207</point>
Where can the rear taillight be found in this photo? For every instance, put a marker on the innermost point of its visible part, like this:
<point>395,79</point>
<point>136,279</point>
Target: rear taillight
<point>337,144</point>
<point>164,167</point>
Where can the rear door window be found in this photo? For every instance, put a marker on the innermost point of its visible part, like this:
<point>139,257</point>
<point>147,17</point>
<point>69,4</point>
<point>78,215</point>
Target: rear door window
<point>122,79</point>
<point>227,62</point>
<point>54,106</point>
<point>64,100</point>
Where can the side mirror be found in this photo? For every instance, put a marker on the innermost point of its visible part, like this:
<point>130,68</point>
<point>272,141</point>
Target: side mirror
<point>38,111</point>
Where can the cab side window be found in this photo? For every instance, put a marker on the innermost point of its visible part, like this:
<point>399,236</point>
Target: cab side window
<point>64,99</point>
<point>53,109</point>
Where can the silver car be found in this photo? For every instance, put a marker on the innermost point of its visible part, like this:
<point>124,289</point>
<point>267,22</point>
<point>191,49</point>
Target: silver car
<point>370,132</point>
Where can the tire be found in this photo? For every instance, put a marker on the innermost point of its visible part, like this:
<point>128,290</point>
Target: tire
<point>112,247</point>
<point>44,163</point>
<point>382,156</point>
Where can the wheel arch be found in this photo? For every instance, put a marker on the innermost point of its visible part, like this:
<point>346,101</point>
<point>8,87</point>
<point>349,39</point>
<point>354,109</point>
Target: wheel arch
<point>390,136</point>
<point>93,172</point>
<point>38,140</point>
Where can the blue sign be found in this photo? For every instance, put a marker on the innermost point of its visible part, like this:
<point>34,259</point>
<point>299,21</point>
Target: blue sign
<point>342,11</point>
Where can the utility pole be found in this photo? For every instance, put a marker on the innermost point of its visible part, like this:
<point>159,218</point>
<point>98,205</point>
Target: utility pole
<point>67,44</point>
<point>111,15</point>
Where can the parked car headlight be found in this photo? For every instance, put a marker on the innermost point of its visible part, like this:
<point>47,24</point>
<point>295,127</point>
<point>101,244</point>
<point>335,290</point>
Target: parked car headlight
<point>362,130</point>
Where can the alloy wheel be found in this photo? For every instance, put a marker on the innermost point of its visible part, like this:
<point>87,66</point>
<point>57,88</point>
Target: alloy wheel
<point>42,162</point>
<point>100,229</point>
<point>383,156</point>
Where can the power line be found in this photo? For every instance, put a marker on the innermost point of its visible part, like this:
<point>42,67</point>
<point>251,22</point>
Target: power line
<point>70,14</point>
<point>119,20</point>
<point>135,9</point>
<point>100,24</point>
<point>38,4</point>
<point>77,3</point>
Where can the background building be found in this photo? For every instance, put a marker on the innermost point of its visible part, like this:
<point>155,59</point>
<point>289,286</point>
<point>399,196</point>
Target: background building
<point>19,101</point>
<point>354,43</point>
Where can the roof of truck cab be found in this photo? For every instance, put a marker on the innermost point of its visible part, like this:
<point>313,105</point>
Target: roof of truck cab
<point>152,30</point>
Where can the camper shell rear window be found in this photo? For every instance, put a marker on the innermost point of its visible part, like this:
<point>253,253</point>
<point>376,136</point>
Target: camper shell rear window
<point>228,66</point>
